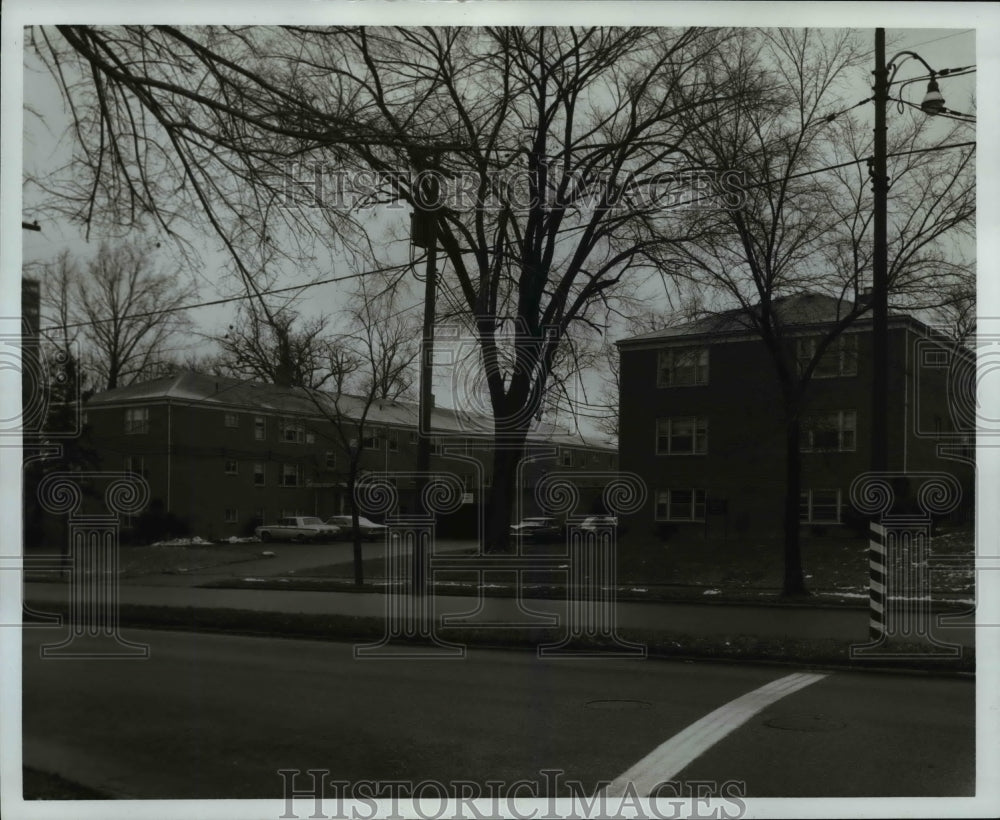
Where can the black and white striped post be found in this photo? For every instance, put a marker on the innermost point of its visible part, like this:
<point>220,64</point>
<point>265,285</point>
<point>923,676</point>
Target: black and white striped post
<point>901,618</point>
<point>876,581</point>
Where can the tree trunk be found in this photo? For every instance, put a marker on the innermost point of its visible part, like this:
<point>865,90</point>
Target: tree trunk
<point>359,568</point>
<point>794,582</point>
<point>503,496</point>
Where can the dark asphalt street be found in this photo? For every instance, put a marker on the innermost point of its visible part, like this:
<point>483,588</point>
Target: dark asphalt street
<point>213,716</point>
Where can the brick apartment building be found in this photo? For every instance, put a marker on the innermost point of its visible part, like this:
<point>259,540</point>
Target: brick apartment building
<point>222,455</point>
<point>701,420</point>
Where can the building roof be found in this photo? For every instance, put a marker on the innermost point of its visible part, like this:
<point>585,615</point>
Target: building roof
<point>803,309</point>
<point>187,387</point>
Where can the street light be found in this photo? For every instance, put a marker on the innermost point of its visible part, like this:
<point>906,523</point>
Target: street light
<point>932,104</point>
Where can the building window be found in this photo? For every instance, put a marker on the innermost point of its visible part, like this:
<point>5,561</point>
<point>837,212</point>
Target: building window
<point>232,420</point>
<point>680,505</point>
<point>820,507</point>
<point>392,440</point>
<point>371,440</point>
<point>232,466</point>
<point>258,474</point>
<point>413,437</point>
<point>566,458</point>
<point>685,435</point>
<point>292,432</point>
<point>258,516</point>
<point>435,446</point>
<point>839,359</point>
<point>135,464</point>
<point>677,366</point>
<point>331,460</point>
<point>232,516</point>
<point>259,428</point>
<point>136,420</point>
<point>290,475</point>
<point>310,437</point>
<point>832,431</point>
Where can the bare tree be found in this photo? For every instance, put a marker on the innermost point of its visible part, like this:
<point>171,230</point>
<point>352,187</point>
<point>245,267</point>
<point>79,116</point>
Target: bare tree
<point>551,146</point>
<point>278,347</point>
<point>800,230</point>
<point>374,363</point>
<point>122,310</point>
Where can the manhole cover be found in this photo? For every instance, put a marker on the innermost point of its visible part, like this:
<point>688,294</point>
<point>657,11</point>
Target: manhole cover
<point>804,723</point>
<point>618,705</point>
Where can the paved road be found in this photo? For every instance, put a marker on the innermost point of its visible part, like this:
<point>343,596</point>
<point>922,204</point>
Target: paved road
<point>211,716</point>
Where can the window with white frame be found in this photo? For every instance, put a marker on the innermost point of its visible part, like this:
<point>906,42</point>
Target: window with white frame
<point>413,436</point>
<point>231,420</point>
<point>136,420</point>
<point>680,505</point>
<point>820,507</point>
<point>232,515</point>
<point>683,435</point>
<point>259,474</point>
<point>829,431</point>
<point>682,366</point>
<point>259,428</point>
<point>435,446</point>
<point>293,432</point>
<point>566,457</point>
<point>290,475</point>
<point>232,466</point>
<point>839,359</point>
<point>372,440</point>
<point>392,439</point>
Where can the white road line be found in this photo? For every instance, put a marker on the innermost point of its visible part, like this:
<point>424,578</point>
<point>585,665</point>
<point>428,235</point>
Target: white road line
<point>667,759</point>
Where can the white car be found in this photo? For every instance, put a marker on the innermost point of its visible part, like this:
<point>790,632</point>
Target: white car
<point>592,522</point>
<point>368,529</point>
<point>297,528</point>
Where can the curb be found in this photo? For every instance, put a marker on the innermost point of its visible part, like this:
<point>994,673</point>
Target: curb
<point>827,653</point>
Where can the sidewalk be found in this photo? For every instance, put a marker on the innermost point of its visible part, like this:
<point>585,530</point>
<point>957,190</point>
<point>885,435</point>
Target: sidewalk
<point>783,622</point>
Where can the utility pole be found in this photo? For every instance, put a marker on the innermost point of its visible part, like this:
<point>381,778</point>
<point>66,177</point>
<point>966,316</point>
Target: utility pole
<point>424,231</point>
<point>880,274</point>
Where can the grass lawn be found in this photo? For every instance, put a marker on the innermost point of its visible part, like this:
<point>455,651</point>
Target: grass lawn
<point>831,565</point>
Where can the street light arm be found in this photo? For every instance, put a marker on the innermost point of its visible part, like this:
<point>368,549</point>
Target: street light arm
<point>894,68</point>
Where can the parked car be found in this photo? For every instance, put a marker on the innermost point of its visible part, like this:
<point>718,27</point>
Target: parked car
<point>591,522</point>
<point>540,528</point>
<point>370,531</point>
<point>297,528</point>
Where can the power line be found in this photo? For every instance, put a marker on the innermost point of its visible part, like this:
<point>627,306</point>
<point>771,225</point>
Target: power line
<point>228,300</point>
<point>944,37</point>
